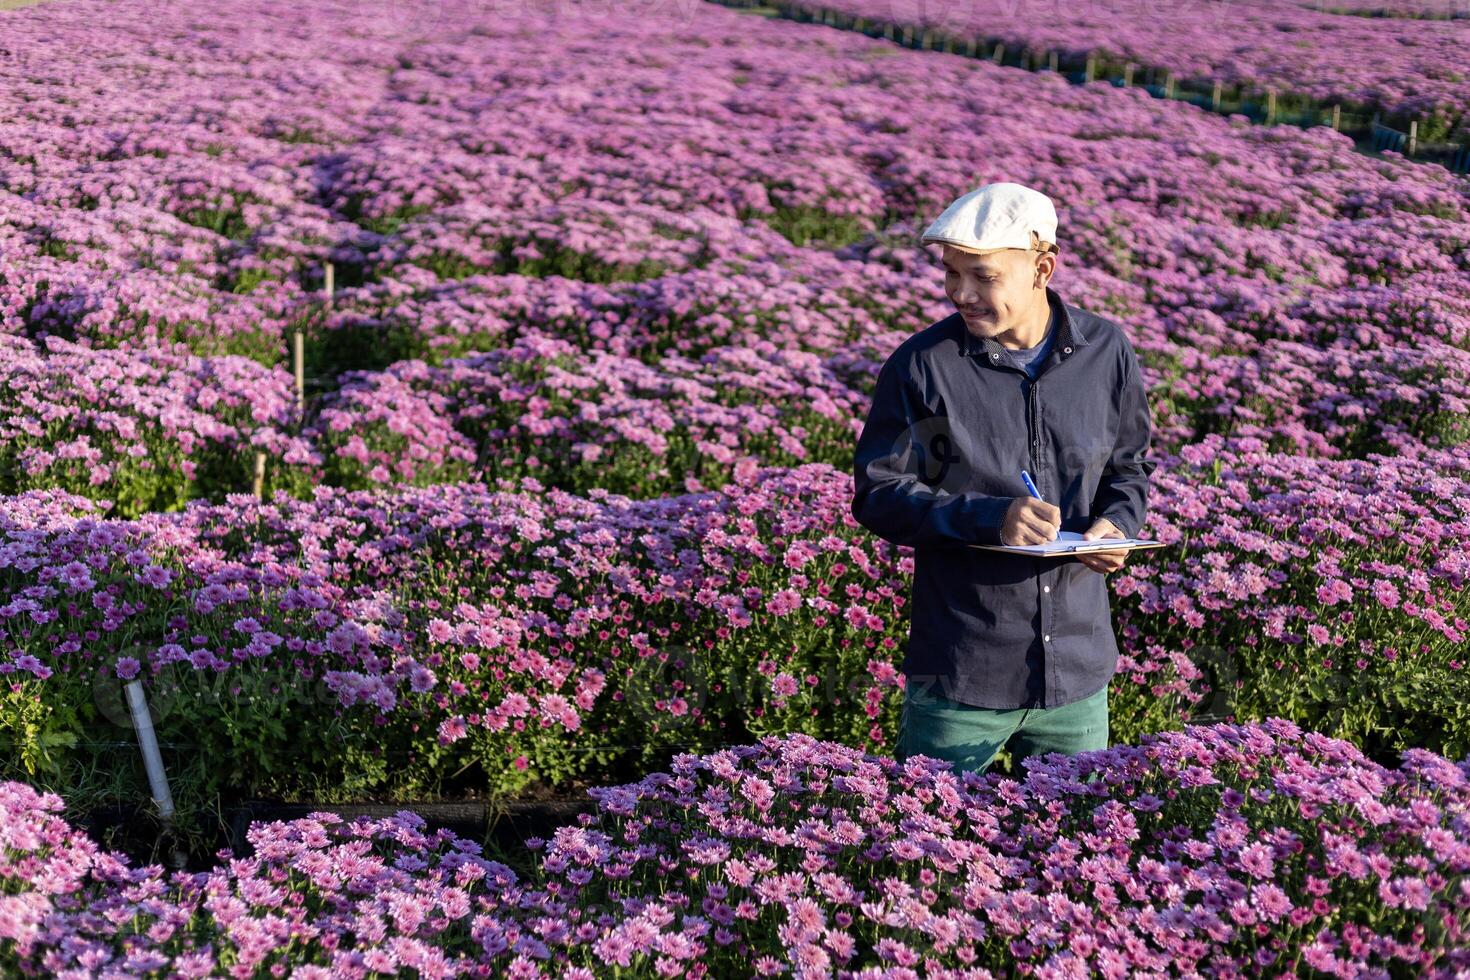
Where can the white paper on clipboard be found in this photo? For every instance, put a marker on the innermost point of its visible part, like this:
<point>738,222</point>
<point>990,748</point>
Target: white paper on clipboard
<point>1072,543</point>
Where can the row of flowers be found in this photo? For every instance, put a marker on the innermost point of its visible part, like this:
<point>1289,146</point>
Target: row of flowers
<point>147,429</point>
<point>1394,65</point>
<point>542,635</point>
<point>1223,850</point>
<point>150,429</point>
<point>205,215</point>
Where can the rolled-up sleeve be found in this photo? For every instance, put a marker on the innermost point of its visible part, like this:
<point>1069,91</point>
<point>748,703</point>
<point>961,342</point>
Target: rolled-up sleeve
<point>1122,491</point>
<point>890,498</point>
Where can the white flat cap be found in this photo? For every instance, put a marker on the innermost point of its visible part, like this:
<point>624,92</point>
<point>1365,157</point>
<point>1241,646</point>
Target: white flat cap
<point>1000,215</point>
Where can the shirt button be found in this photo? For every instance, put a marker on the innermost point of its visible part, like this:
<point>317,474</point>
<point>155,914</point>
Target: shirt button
<point>1066,350</point>
<point>1046,588</point>
<point>1047,637</point>
<point>994,356</point>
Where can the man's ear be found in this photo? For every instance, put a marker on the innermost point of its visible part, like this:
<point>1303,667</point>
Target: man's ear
<point>1046,264</point>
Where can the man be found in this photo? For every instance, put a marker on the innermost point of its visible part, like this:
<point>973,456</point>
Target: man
<point>1005,650</point>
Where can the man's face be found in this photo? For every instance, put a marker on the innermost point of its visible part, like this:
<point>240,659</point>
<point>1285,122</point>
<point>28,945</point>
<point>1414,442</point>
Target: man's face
<point>995,292</point>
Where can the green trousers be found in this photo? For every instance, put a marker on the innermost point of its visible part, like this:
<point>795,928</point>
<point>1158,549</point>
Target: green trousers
<point>969,738</point>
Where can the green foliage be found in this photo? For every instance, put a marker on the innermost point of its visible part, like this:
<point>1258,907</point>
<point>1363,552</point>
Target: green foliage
<point>1384,679</point>
<point>813,225</point>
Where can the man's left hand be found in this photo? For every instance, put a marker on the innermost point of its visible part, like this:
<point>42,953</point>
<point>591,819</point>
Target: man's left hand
<point>1103,561</point>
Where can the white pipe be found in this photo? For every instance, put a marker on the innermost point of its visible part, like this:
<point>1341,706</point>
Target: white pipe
<point>148,742</point>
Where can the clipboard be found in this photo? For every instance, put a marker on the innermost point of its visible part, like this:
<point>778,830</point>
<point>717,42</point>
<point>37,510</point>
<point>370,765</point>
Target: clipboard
<point>1071,543</point>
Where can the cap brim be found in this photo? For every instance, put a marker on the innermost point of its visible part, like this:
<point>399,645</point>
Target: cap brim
<point>963,248</point>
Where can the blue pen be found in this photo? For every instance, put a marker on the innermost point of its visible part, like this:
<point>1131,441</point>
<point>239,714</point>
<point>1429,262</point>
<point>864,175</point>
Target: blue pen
<point>1026,479</point>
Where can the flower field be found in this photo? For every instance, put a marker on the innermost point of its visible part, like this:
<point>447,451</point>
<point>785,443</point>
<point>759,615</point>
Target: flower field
<point>797,856</point>
<point>1308,53</point>
<point>564,500</point>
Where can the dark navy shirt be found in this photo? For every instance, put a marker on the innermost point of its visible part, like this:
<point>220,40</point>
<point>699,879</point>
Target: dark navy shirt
<point>954,421</point>
<point>1031,358</point>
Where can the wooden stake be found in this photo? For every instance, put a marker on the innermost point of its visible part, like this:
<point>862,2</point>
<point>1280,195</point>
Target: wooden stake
<point>258,488</point>
<point>1215,96</point>
<point>298,360</point>
<point>1337,117</point>
<point>1128,75</point>
<point>1168,85</point>
<point>999,56</point>
<point>1055,61</point>
<point>1091,71</point>
<point>1413,136</point>
<point>1270,106</point>
<point>331,281</point>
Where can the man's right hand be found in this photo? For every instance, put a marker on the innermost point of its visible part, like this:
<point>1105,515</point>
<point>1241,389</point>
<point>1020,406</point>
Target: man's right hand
<point>1030,520</point>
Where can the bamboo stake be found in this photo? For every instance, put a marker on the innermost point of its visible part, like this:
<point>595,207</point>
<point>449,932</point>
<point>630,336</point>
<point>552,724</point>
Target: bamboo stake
<point>298,360</point>
<point>259,486</point>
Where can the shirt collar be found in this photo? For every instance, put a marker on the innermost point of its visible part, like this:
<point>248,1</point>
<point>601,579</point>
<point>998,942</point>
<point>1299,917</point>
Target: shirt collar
<point>1068,333</point>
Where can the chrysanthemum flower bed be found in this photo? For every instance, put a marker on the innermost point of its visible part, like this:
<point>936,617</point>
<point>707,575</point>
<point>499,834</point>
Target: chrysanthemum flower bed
<point>148,429</point>
<point>1223,851</point>
<point>541,635</point>
<point>580,418</point>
